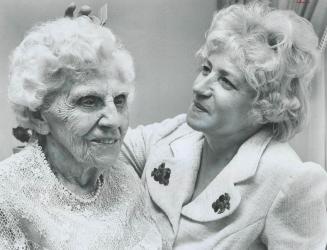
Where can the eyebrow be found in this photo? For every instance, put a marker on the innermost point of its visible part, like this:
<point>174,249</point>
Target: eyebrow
<point>115,94</point>
<point>85,92</point>
<point>224,73</point>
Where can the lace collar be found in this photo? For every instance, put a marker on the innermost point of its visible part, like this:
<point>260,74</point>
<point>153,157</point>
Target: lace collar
<point>85,199</point>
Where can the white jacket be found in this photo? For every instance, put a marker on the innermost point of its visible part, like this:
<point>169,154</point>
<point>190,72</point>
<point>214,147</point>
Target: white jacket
<point>276,200</point>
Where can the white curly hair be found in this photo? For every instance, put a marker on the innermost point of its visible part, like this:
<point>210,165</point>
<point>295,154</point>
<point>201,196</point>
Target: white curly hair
<point>59,51</point>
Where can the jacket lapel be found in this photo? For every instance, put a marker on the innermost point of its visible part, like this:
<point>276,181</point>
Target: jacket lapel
<point>242,167</point>
<point>201,208</point>
<point>181,154</point>
<point>246,161</point>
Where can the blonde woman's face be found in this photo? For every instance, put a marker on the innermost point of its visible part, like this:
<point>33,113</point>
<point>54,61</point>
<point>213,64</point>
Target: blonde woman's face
<point>89,119</point>
<point>222,99</point>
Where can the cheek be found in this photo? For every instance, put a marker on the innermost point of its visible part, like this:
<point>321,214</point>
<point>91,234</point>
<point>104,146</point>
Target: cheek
<point>80,123</point>
<point>57,117</point>
<point>124,122</point>
<point>242,113</point>
<point>246,104</point>
<point>231,106</point>
<point>224,103</point>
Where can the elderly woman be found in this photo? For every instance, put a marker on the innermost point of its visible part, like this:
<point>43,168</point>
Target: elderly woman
<point>225,177</point>
<point>70,83</point>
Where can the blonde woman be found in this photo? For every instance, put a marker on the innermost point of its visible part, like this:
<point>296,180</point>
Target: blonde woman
<point>224,176</point>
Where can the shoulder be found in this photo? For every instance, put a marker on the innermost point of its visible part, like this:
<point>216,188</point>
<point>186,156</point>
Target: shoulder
<point>15,169</point>
<point>14,162</point>
<point>280,157</point>
<point>155,131</point>
<point>297,208</point>
<point>139,142</point>
<point>169,125</point>
<point>175,128</point>
<point>164,127</point>
<point>281,165</point>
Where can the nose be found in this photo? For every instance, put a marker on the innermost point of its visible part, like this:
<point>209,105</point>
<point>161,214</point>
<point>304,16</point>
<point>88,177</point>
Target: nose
<point>201,87</point>
<point>109,117</point>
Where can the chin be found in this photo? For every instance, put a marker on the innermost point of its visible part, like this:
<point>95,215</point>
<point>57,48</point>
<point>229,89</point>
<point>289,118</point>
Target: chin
<point>102,156</point>
<point>195,122</point>
<point>107,161</point>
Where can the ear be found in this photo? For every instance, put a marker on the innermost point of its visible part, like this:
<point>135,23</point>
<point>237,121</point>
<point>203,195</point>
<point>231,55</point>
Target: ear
<point>39,122</point>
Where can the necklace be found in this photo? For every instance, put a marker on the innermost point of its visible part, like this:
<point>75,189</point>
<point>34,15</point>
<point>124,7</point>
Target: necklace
<point>84,199</point>
<point>88,198</point>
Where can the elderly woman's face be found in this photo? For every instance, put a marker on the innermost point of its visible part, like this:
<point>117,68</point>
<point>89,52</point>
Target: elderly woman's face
<point>89,119</point>
<point>222,98</point>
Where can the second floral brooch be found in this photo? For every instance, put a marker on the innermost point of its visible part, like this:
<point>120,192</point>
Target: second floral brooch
<point>222,203</point>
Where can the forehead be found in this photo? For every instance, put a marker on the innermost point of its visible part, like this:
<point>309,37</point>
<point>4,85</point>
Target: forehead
<point>223,63</point>
<point>100,86</point>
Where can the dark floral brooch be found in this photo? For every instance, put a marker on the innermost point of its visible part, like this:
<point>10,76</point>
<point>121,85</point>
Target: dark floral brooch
<point>161,174</point>
<point>221,204</point>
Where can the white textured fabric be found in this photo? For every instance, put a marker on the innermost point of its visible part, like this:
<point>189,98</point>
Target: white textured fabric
<point>36,212</point>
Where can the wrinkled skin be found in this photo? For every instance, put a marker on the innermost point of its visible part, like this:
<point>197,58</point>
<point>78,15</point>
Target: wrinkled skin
<point>88,120</point>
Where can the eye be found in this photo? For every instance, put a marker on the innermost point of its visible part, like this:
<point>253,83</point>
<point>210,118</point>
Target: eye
<point>226,84</point>
<point>205,70</point>
<point>89,101</point>
<point>120,100</point>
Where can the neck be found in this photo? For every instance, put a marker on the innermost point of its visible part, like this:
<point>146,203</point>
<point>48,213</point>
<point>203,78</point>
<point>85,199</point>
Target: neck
<point>222,148</point>
<point>78,177</point>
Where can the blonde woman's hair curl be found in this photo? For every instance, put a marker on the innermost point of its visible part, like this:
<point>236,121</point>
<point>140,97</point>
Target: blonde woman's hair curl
<point>276,50</point>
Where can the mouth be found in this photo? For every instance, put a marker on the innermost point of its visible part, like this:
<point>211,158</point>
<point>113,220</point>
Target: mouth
<point>199,107</point>
<point>108,141</point>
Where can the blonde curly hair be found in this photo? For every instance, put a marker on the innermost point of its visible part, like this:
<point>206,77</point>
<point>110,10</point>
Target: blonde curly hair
<point>276,50</point>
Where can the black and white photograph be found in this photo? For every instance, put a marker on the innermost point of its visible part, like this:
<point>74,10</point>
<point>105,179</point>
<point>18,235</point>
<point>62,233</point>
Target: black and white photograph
<point>163,124</point>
